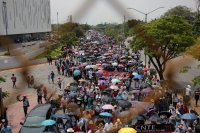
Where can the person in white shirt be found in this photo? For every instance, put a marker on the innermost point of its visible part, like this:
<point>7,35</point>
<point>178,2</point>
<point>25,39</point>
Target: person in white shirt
<point>188,90</point>
<point>124,95</point>
<point>108,126</point>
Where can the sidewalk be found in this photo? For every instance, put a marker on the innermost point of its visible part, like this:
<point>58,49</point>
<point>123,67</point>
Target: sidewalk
<point>15,114</point>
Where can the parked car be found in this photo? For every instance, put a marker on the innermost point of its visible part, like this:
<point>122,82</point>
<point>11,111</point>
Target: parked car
<point>33,121</point>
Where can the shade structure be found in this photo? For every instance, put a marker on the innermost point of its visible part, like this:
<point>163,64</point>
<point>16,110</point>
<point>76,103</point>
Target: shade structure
<point>127,130</point>
<point>106,114</point>
<point>115,80</point>
<point>48,122</point>
<point>189,116</point>
<point>108,106</point>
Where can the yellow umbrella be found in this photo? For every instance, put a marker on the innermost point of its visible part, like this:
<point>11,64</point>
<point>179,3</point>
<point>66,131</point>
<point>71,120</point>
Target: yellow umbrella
<point>127,130</point>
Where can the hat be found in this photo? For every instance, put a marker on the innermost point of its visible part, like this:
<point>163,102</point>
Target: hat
<point>115,106</point>
<point>25,95</point>
<point>152,100</point>
<point>70,130</point>
<point>78,98</point>
<point>171,117</point>
<point>91,122</point>
<point>188,86</point>
<point>180,126</point>
<point>52,98</point>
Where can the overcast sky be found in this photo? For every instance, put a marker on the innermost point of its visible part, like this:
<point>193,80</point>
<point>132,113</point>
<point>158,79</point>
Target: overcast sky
<point>99,11</point>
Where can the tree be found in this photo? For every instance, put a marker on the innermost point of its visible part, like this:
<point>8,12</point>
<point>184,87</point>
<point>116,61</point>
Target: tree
<point>67,27</point>
<point>163,40</point>
<point>183,11</point>
<point>4,94</point>
<point>78,31</point>
<point>69,38</point>
<point>111,32</point>
<point>85,27</point>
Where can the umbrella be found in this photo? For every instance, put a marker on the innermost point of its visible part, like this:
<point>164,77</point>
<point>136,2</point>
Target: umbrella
<point>115,64</point>
<point>102,81</point>
<point>127,130</point>
<point>57,116</point>
<point>151,112</point>
<point>134,73</point>
<point>66,117</point>
<point>138,77</point>
<point>76,52</point>
<point>139,68</point>
<point>98,64</point>
<point>124,104</point>
<point>115,80</point>
<point>105,114</point>
<point>145,69</point>
<point>48,122</point>
<point>146,91</point>
<point>108,106</point>
<point>168,114</point>
<point>154,118</point>
<point>77,72</point>
<point>189,116</point>
<point>130,64</point>
<point>114,87</point>
<point>75,88</point>
<point>88,67</point>
<point>70,113</point>
<point>124,113</point>
<point>140,118</point>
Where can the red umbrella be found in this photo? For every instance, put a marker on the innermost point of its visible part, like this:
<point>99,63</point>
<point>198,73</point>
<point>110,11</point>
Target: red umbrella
<point>120,65</point>
<point>145,69</point>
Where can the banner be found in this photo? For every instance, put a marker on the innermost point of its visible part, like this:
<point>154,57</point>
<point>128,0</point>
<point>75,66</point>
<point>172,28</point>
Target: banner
<point>160,128</point>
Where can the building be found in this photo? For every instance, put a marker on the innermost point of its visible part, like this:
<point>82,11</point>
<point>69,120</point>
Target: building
<point>25,18</point>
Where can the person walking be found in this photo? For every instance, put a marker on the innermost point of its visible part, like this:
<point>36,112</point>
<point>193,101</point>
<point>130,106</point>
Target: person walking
<point>59,82</point>
<point>49,78</point>
<point>28,81</point>
<point>196,96</point>
<point>45,93</point>
<point>32,81</point>
<point>64,102</point>
<point>175,100</point>
<point>52,76</point>
<point>14,79</point>
<point>25,104</point>
<point>39,96</point>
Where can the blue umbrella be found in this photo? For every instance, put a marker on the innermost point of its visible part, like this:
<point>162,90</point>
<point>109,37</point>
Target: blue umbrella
<point>139,68</point>
<point>189,116</point>
<point>105,114</point>
<point>134,73</point>
<point>48,122</point>
<point>77,72</point>
<point>138,77</point>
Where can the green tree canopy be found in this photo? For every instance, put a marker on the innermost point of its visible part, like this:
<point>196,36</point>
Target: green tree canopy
<point>78,31</point>
<point>4,94</point>
<point>68,38</point>
<point>163,39</point>
<point>183,11</point>
<point>67,27</point>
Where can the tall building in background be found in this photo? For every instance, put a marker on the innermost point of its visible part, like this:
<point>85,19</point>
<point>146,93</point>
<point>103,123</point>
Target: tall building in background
<point>21,18</point>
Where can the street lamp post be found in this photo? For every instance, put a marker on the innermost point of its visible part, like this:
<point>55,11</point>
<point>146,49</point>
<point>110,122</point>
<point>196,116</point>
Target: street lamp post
<point>146,14</point>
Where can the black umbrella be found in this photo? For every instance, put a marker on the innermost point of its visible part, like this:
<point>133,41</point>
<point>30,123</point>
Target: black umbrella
<point>140,118</point>
<point>124,104</point>
<point>74,88</point>
<point>130,64</point>
<point>70,113</point>
<point>108,99</point>
<point>168,114</point>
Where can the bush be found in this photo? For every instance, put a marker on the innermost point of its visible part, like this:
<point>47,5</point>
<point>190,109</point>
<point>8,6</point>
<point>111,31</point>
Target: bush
<point>153,71</point>
<point>7,53</point>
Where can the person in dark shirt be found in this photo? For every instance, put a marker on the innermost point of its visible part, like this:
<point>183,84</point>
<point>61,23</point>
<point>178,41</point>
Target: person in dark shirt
<point>196,96</point>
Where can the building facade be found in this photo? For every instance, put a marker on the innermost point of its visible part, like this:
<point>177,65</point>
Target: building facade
<point>24,17</point>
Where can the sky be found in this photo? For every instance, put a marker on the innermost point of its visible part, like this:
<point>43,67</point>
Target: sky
<point>94,12</point>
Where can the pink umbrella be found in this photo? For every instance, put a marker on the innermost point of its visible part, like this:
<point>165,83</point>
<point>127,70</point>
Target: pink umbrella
<point>76,52</point>
<point>120,65</point>
<point>108,106</point>
<point>114,87</point>
<point>146,91</point>
<point>145,69</point>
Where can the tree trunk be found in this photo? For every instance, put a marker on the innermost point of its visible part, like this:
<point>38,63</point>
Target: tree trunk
<point>161,76</point>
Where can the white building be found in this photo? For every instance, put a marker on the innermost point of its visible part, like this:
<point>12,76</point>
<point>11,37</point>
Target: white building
<point>24,17</point>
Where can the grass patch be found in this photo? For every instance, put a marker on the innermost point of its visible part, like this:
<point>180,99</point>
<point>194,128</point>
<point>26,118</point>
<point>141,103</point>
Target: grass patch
<point>49,51</point>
